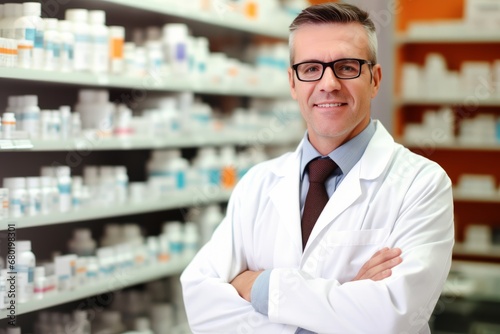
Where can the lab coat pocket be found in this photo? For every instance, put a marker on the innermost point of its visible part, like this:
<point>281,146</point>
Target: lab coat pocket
<point>344,252</point>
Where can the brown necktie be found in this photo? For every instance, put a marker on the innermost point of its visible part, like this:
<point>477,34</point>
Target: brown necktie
<point>317,197</point>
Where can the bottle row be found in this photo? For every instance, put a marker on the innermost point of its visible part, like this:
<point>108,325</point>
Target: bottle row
<point>158,308</point>
<point>481,238</point>
<point>438,126</point>
<point>476,80</point>
<point>94,115</point>
<point>122,249</point>
<point>83,43</point>
<point>478,185</point>
<point>168,173</point>
<point>480,19</point>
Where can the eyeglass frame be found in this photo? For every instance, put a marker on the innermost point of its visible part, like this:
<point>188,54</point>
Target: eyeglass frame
<point>330,65</point>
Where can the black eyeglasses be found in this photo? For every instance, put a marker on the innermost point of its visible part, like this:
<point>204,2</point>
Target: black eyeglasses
<point>345,68</point>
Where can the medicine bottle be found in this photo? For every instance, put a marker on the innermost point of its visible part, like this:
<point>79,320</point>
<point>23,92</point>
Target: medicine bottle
<point>82,243</point>
<point>210,217</point>
<point>51,45</point>
<point>34,196</point>
<point>17,195</point>
<point>39,283</point>
<point>191,239</point>
<point>30,115</point>
<point>67,49</point>
<point>228,170</point>
<point>12,12</point>
<point>8,125</point>
<point>173,230</point>
<point>206,163</point>
<point>25,268</point>
<point>117,41</point>
<point>99,42</point>
<point>81,322</point>
<point>81,31</point>
<point>63,176</point>
<point>30,26</point>
<point>175,39</point>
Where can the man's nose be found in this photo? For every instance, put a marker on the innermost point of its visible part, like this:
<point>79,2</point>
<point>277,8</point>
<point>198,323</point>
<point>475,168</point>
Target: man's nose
<point>329,82</point>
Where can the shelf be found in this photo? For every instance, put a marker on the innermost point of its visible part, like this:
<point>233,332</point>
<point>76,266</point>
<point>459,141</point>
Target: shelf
<point>151,83</point>
<point>467,37</point>
<point>466,100</point>
<point>474,281</point>
<point>451,146</point>
<point>475,198</point>
<point>137,143</point>
<point>222,17</point>
<point>119,281</point>
<point>491,253</point>
<point>176,200</point>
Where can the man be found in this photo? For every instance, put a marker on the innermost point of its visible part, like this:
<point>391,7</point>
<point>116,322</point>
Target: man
<point>266,271</point>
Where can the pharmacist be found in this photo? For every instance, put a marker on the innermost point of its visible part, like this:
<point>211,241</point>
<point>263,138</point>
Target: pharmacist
<point>376,258</point>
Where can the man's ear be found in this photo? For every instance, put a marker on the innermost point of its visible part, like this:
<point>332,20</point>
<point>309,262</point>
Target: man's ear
<point>377,78</point>
<point>291,82</point>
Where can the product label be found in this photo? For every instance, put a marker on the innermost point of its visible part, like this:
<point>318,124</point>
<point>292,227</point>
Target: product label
<point>64,189</point>
<point>26,272</point>
<point>117,48</point>
<point>181,180</point>
<point>214,176</point>
<point>38,42</point>
<point>181,52</point>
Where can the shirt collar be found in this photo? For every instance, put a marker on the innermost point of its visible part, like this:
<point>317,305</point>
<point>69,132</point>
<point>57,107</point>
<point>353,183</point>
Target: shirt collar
<point>345,156</point>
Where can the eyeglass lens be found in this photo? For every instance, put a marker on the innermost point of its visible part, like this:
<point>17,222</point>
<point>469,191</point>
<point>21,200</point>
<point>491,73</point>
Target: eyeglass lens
<point>343,69</point>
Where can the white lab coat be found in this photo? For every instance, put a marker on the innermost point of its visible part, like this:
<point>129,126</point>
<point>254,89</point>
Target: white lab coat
<point>391,197</point>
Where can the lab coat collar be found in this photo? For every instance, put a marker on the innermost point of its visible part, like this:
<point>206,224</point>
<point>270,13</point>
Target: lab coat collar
<point>372,163</point>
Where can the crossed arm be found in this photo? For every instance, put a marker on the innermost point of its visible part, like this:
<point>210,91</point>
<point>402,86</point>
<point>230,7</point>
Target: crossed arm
<point>376,268</point>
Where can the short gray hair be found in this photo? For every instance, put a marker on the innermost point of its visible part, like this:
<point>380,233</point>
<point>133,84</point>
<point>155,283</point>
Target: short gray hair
<point>332,12</point>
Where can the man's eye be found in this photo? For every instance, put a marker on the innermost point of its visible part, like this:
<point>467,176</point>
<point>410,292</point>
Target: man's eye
<point>312,69</point>
<point>347,68</point>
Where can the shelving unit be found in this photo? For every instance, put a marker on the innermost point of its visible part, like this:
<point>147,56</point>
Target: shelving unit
<point>456,45</point>
<point>150,83</point>
<point>140,143</point>
<point>225,18</point>
<point>120,280</point>
<point>176,200</point>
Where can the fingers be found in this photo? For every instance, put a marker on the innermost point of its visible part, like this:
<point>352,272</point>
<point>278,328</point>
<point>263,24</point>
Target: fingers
<point>379,265</point>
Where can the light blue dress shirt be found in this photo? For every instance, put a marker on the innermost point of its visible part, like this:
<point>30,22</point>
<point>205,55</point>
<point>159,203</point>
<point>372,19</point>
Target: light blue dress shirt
<point>345,156</point>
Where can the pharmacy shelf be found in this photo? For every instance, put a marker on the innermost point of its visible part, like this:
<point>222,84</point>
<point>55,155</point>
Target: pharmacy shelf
<point>437,37</point>
<point>489,252</point>
<point>458,196</point>
<point>476,281</point>
<point>119,280</point>
<point>465,100</point>
<point>223,16</point>
<point>151,82</point>
<point>195,197</point>
<point>277,137</point>
<point>425,143</point>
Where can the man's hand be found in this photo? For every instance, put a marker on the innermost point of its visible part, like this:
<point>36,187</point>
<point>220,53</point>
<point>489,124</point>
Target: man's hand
<point>380,264</point>
<point>243,283</point>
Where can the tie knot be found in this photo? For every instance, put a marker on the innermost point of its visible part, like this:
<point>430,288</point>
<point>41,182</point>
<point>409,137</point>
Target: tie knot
<point>320,169</point>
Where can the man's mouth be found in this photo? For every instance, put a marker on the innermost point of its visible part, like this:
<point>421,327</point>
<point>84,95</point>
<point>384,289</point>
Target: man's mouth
<point>329,105</point>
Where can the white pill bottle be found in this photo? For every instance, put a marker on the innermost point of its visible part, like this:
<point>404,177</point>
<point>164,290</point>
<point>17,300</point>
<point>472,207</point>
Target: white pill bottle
<point>25,268</point>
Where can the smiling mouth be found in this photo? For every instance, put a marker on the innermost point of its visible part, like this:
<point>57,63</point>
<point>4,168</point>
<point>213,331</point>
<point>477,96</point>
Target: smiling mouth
<point>330,105</point>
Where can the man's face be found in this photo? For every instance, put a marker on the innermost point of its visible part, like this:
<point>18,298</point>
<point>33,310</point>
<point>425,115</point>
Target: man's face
<point>335,110</point>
